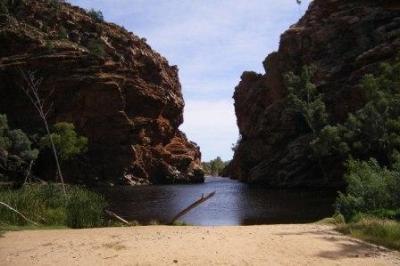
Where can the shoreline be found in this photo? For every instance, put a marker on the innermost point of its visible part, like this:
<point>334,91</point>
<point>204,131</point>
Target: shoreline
<point>293,244</point>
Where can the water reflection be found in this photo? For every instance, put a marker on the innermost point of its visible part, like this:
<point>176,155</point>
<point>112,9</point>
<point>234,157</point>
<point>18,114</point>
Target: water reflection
<point>235,203</point>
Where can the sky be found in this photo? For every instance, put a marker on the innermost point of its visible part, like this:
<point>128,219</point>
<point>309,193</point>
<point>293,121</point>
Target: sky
<point>212,42</point>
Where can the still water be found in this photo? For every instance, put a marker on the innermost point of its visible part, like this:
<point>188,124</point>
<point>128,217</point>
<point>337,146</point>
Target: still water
<point>234,203</point>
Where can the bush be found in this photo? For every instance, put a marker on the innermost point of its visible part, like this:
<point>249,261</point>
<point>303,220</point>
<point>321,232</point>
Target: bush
<point>3,7</point>
<point>55,4</point>
<point>62,33</point>
<point>304,99</point>
<point>47,205</point>
<point>369,189</point>
<point>68,143</point>
<point>16,152</point>
<point>84,209</point>
<point>373,130</point>
<point>96,48</point>
<point>96,15</point>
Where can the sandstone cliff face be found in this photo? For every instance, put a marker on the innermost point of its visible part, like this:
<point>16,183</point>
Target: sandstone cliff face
<point>344,40</point>
<point>116,90</point>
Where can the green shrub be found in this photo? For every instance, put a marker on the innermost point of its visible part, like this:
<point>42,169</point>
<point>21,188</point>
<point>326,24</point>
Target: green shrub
<point>55,4</point>
<point>96,15</point>
<point>47,205</point>
<point>96,48</point>
<point>3,7</point>
<point>68,143</point>
<point>305,99</point>
<point>14,6</point>
<point>16,152</point>
<point>84,209</point>
<point>214,167</point>
<point>26,201</point>
<point>373,130</point>
<point>386,214</point>
<point>369,189</point>
<point>62,33</point>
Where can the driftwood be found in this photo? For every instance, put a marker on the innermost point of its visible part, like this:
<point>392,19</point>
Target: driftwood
<point>119,218</point>
<point>192,206</point>
<point>17,212</point>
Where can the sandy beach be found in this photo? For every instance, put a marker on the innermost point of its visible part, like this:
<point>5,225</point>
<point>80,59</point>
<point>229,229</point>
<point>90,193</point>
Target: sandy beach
<point>309,244</point>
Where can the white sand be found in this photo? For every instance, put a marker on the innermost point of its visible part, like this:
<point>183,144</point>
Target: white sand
<point>163,245</point>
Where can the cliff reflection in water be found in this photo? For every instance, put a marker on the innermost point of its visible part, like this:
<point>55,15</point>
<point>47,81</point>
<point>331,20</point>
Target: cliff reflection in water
<point>235,203</point>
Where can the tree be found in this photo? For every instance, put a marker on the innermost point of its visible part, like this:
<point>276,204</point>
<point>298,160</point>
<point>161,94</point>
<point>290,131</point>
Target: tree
<point>214,167</point>
<point>306,100</point>
<point>374,130</point>
<point>96,15</point>
<point>371,188</point>
<point>43,109</point>
<point>67,142</point>
<point>16,152</point>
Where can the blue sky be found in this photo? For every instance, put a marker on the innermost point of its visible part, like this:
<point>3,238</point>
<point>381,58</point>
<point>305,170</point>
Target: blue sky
<point>212,42</point>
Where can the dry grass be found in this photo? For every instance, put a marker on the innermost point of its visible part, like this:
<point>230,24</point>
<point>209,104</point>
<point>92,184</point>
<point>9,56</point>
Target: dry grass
<point>377,231</point>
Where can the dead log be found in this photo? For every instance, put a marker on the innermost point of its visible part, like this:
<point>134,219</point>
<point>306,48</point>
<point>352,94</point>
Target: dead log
<point>17,212</point>
<point>119,218</point>
<point>192,206</point>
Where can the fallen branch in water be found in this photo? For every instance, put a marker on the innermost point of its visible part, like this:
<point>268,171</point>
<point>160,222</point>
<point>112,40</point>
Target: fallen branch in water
<point>119,218</point>
<point>17,212</point>
<point>192,206</point>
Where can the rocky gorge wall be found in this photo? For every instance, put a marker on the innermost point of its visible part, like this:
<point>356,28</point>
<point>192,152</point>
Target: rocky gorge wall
<point>118,92</point>
<point>344,40</point>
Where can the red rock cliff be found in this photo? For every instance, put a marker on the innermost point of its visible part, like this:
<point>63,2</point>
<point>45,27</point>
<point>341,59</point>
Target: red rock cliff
<point>116,90</point>
<point>344,40</point>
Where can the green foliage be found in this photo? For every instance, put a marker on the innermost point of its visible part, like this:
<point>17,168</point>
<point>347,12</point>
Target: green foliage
<point>21,146</point>
<point>68,143</point>
<point>96,48</point>
<point>5,142</point>
<point>47,205</point>
<point>96,15</point>
<point>374,130</point>
<point>49,45</point>
<point>306,100</point>
<point>3,7</point>
<point>55,4</point>
<point>62,33</point>
<point>16,152</point>
<point>84,209</point>
<point>214,167</point>
<point>370,188</point>
<point>329,142</point>
<point>13,6</point>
